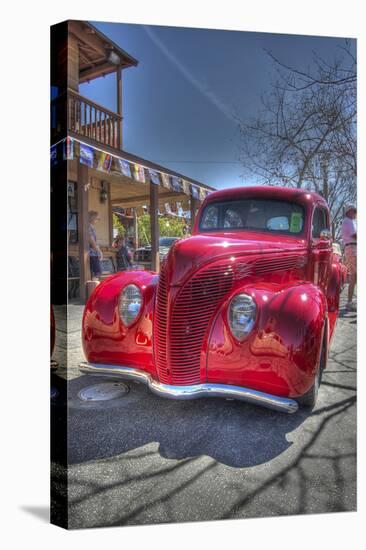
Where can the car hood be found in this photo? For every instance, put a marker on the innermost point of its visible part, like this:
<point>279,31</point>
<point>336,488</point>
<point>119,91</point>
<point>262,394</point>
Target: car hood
<point>189,254</point>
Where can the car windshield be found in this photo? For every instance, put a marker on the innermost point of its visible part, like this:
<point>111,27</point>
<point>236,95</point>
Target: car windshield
<point>271,216</point>
<point>167,241</point>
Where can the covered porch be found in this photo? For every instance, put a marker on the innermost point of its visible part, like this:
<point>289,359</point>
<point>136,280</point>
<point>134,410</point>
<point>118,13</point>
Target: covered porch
<point>98,183</point>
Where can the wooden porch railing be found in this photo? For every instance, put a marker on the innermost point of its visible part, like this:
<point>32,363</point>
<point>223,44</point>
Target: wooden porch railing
<point>86,118</point>
<point>93,121</point>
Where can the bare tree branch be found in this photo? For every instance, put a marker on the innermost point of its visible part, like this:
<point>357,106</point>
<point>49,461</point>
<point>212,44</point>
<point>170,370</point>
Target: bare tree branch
<point>305,132</point>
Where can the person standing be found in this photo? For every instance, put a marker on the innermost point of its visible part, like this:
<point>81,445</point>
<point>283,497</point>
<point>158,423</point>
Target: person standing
<point>122,256</point>
<point>349,236</point>
<point>95,253</point>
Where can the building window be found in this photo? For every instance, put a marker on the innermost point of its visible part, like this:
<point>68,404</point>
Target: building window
<point>72,213</point>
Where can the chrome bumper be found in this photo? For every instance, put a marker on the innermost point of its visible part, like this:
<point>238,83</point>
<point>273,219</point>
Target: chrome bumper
<point>274,402</point>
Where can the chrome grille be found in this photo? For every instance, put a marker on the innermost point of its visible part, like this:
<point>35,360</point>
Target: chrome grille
<point>160,327</point>
<point>191,315</point>
<point>179,331</point>
<point>268,265</point>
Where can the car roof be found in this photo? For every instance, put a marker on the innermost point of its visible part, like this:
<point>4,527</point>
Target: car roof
<point>302,196</point>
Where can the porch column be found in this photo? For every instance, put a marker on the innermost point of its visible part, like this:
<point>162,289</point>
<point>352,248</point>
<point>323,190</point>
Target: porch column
<point>193,204</point>
<point>135,228</point>
<point>110,213</point>
<point>83,234</point>
<point>119,105</point>
<point>154,227</point>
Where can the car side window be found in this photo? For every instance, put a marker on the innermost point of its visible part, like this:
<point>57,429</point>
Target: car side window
<point>210,218</point>
<point>319,222</point>
<point>232,219</point>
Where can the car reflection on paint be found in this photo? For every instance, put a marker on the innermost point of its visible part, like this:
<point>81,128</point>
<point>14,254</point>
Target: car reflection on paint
<point>142,256</point>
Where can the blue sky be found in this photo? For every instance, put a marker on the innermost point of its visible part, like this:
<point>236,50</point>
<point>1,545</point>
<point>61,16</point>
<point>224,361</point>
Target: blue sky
<point>181,101</point>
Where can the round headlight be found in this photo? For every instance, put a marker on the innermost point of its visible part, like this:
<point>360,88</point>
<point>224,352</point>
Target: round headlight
<point>241,315</point>
<point>130,302</point>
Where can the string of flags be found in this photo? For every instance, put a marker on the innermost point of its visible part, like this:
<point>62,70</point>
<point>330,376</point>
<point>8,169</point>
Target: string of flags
<point>174,209</point>
<point>105,162</point>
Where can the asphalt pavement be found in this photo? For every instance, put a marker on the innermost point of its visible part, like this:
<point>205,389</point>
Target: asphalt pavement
<point>141,459</point>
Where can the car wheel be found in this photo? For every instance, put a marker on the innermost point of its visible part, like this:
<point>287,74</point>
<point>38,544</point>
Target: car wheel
<point>309,398</point>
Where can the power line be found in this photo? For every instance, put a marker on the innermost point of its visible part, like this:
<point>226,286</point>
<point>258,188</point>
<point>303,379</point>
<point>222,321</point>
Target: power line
<point>198,161</point>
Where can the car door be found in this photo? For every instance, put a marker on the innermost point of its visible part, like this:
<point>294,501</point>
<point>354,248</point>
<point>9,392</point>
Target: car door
<point>321,247</point>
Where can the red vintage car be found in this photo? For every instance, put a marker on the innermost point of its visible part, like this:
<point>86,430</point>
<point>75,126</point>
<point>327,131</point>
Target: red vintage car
<point>244,309</point>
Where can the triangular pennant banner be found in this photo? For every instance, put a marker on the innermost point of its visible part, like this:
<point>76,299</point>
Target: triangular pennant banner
<point>104,161</point>
<point>68,148</point>
<point>203,193</point>
<point>166,180</point>
<point>125,167</point>
<point>139,173</point>
<point>86,155</point>
<point>186,187</point>
<point>195,191</point>
<point>177,184</point>
<point>154,177</point>
<point>115,166</point>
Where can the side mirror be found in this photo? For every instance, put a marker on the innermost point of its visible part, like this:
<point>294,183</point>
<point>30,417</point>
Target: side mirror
<point>325,235</point>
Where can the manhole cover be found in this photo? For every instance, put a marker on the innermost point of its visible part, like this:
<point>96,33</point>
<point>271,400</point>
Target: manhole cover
<point>104,392</point>
<point>54,392</point>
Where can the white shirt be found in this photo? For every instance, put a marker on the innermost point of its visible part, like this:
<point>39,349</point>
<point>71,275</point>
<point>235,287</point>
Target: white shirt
<point>349,228</point>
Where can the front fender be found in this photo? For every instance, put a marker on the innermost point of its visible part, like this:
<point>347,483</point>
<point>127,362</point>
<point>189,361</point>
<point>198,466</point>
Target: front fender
<point>336,282</point>
<point>105,338</point>
<point>281,355</point>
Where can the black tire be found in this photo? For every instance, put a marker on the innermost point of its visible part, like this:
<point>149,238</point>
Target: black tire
<point>308,400</point>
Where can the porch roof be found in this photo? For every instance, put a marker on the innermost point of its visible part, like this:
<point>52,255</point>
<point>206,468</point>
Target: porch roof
<point>126,191</point>
<point>98,54</point>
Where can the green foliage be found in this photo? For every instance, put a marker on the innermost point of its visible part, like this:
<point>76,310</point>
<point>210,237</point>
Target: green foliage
<point>168,227</point>
<point>143,224</point>
<point>171,227</point>
<point>117,224</point>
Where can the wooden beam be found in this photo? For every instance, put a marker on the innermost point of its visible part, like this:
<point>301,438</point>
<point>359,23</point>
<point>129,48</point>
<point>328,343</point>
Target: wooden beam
<point>142,199</point>
<point>154,227</point>
<point>89,39</point>
<point>119,105</point>
<point>97,70</point>
<point>83,232</point>
<point>83,56</point>
<point>193,206</point>
<point>98,42</point>
<point>72,63</point>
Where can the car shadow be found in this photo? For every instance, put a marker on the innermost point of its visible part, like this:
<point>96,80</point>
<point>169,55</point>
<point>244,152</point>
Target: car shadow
<point>233,433</point>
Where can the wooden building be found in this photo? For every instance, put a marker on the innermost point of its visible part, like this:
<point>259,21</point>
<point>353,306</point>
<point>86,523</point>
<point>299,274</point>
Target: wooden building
<point>81,53</point>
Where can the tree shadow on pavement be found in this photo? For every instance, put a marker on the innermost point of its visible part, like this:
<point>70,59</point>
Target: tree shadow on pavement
<point>297,466</point>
